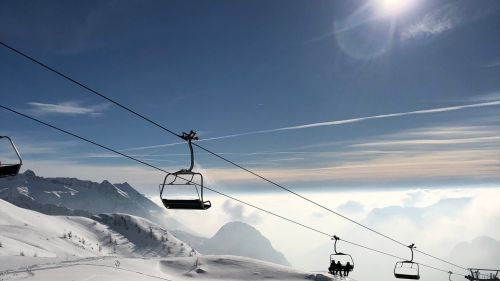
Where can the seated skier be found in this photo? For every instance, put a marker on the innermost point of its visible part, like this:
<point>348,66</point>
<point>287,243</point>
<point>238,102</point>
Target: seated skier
<point>339,268</point>
<point>331,269</point>
<point>348,267</point>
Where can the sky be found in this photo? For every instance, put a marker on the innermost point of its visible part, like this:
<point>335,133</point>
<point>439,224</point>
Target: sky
<point>326,97</point>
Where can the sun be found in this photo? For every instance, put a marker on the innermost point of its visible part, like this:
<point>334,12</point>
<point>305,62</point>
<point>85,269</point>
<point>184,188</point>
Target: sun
<point>393,7</point>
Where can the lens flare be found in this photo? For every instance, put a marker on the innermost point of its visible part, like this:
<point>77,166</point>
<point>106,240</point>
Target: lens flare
<point>393,7</point>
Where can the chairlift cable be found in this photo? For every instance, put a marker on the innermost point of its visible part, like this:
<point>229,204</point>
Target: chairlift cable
<point>80,137</point>
<point>211,189</point>
<point>32,59</point>
<point>205,149</point>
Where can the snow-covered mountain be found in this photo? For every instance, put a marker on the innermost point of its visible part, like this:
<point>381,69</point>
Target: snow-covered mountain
<point>36,246</point>
<point>29,233</point>
<point>45,194</point>
<point>194,240</point>
<point>241,239</point>
<point>75,197</point>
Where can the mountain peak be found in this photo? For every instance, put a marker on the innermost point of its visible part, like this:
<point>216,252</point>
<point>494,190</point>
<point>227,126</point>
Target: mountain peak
<point>238,226</point>
<point>29,173</point>
<point>228,241</point>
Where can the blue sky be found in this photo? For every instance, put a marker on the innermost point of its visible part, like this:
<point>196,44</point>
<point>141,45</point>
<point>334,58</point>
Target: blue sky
<point>232,67</point>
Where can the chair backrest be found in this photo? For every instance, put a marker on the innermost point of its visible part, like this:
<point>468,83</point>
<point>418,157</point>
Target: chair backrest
<point>407,270</point>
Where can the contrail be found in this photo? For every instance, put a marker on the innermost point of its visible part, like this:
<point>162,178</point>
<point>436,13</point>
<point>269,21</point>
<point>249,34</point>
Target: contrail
<point>334,123</point>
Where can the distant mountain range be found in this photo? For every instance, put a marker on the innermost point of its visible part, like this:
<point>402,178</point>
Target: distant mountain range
<point>71,196</point>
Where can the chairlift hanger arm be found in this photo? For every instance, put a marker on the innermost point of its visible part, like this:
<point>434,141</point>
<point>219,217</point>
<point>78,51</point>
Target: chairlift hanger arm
<point>14,147</point>
<point>336,238</point>
<point>189,137</point>
<point>412,246</point>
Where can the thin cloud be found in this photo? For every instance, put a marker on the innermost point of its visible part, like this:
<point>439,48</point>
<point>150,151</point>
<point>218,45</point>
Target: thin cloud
<point>468,164</point>
<point>488,97</point>
<point>447,17</point>
<point>439,152</point>
<point>433,23</point>
<point>236,212</point>
<point>443,136</point>
<point>414,142</point>
<point>383,116</point>
<point>67,108</point>
<point>337,122</point>
<point>351,207</point>
<point>495,63</point>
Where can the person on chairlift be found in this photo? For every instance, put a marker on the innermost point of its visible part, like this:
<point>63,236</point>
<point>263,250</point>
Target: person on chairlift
<point>338,268</point>
<point>331,269</point>
<point>348,267</point>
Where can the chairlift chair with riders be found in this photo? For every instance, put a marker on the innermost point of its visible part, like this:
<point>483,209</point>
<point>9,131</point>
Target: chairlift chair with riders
<point>346,261</point>
<point>184,179</point>
<point>10,169</point>
<point>407,269</point>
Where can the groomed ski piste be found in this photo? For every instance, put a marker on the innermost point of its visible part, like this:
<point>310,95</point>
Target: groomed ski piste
<point>35,246</point>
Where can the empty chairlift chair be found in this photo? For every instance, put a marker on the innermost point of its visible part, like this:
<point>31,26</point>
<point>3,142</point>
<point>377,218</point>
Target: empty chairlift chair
<point>407,269</point>
<point>10,169</point>
<point>340,263</point>
<point>184,189</point>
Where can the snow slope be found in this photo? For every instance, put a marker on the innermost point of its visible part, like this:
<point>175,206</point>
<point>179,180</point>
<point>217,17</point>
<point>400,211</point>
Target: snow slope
<point>28,233</point>
<point>114,247</point>
<point>176,268</point>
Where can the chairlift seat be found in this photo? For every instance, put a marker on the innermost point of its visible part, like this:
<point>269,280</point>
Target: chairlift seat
<point>9,170</point>
<point>407,276</point>
<point>194,204</point>
<point>402,265</point>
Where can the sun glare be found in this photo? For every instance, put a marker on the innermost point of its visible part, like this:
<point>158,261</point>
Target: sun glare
<point>393,7</point>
